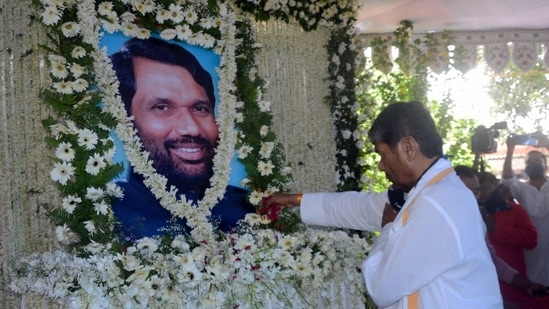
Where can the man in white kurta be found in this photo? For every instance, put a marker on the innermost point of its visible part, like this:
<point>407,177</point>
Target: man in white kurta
<point>439,251</point>
<point>431,253</point>
<point>534,197</point>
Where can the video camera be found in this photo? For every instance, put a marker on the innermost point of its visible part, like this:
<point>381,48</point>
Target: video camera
<point>484,139</point>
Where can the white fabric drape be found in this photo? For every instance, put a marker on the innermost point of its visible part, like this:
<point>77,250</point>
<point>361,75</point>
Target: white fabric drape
<point>26,190</point>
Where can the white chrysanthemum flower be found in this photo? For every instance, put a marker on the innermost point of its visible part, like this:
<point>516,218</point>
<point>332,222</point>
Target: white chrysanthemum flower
<point>255,197</point>
<point>265,220</point>
<point>150,6</point>
<point>101,208</point>
<point>244,182</point>
<point>129,29</point>
<point>147,245</point>
<point>253,219</point>
<point>168,34</point>
<point>184,259</point>
<point>264,106</point>
<point>179,242</point>
<point>218,49</point>
<point>128,17</point>
<point>63,87</point>
<point>264,130</point>
<point>303,269</point>
<point>207,41</point>
<point>245,242</point>
<point>64,235</point>
<point>266,149</point>
<point>206,23</point>
<point>162,15</point>
<point>64,152</point>
<point>265,168</point>
<point>140,7</point>
<point>62,172</point>
<point>130,262</point>
<point>244,151</point>
<point>143,33</point>
<point>90,227</point>
<point>59,70</point>
<point>105,8</point>
<point>79,85</point>
<point>115,190</point>
<point>70,202</point>
<point>94,247</point>
<point>189,273</point>
<point>191,17</point>
<point>78,52</point>
<point>77,70</point>
<point>183,32</point>
<point>51,15</point>
<point>87,139</point>
<point>176,13</point>
<point>94,194</point>
<point>287,242</point>
<point>111,23</point>
<point>70,29</point>
<point>270,191</point>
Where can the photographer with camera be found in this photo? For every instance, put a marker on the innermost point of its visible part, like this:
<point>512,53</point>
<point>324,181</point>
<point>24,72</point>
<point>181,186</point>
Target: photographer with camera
<point>534,197</point>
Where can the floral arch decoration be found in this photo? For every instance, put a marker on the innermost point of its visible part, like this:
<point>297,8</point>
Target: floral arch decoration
<point>206,267</point>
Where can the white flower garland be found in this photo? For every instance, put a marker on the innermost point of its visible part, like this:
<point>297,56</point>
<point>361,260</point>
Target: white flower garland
<point>197,216</point>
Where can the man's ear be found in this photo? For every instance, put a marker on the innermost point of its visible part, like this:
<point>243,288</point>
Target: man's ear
<point>408,147</point>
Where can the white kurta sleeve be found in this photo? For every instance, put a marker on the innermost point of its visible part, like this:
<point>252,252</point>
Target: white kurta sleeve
<point>351,210</point>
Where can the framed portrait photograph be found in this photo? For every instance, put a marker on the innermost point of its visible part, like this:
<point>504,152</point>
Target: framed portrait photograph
<point>169,92</point>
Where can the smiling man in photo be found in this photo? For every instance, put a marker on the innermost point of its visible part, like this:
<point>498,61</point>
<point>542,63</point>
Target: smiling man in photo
<point>171,98</point>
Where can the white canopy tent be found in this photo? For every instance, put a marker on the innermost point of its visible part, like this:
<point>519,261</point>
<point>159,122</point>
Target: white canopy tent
<point>508,30</point>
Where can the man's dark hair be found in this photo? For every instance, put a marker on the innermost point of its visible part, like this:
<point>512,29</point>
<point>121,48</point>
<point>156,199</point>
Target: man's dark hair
<point>537,152</point>
<point>161,51</point>
<point>465,171</point>
<point>488,177</point>
<point>403,119</point>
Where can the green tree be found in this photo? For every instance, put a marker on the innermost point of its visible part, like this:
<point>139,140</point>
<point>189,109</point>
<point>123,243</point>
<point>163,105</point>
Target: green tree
<point>520,96</point>
<point>406,82</point>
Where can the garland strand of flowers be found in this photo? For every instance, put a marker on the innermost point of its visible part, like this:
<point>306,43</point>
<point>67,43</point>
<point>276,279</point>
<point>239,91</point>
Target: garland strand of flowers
<point>340,17</point>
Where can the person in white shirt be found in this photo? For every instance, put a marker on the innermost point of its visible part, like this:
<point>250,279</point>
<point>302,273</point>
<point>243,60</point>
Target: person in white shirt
<point>430,254</point>
<point>533,195</point>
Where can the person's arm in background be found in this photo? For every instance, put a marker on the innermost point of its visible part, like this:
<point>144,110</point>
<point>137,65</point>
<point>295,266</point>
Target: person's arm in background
<point>509,275</point>
<point>507,172</point>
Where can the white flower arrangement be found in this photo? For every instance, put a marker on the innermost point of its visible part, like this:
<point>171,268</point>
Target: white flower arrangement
<point>207,270</point>
<point>259,269</point>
